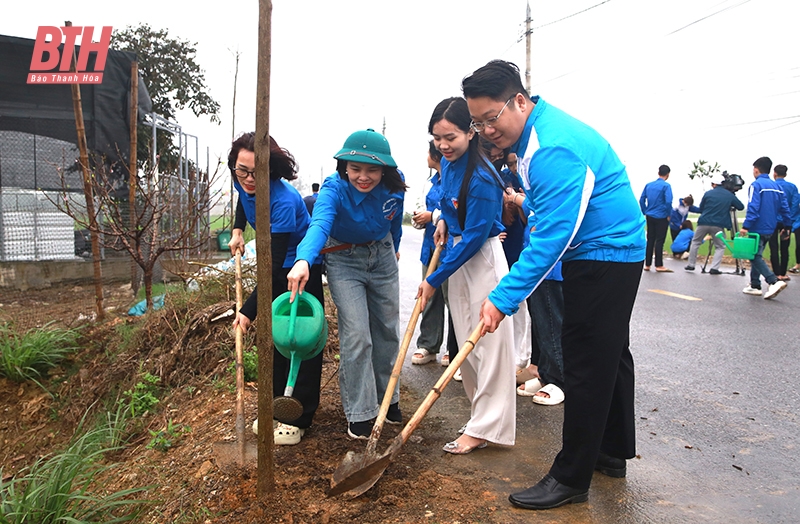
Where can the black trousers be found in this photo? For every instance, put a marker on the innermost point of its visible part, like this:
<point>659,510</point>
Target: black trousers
<point>598,367</point>
<point>656,234</point>
<point>779,252</point>
<point>306,389</point>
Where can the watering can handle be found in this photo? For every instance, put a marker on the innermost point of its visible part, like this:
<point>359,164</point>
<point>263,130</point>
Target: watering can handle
<point>293,318</point>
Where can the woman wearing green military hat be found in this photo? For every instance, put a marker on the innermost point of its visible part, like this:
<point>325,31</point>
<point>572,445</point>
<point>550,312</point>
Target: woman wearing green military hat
<point>358,220</point>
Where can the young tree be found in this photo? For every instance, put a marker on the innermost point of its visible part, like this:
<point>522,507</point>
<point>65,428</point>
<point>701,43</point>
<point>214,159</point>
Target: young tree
<point>702,169</point>
<point>170,216</point>
<point>174,81</point>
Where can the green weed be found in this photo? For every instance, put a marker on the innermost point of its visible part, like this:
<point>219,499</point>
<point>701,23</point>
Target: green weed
<point>142,397</point>
<point>249,363</point>
<point>30,355</point>
<point>164,439</point>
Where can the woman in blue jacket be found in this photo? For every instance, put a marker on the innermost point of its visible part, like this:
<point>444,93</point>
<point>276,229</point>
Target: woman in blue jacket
<point>289,221</point>
<point>471,207</point>
<point>358,219</point>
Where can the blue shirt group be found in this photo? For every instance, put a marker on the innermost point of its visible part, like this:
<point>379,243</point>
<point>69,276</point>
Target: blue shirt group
<point>792,200</point>
<point>766,207</point>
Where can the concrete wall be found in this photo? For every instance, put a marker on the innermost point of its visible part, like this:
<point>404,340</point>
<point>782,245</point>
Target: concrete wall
<point>43,274</point>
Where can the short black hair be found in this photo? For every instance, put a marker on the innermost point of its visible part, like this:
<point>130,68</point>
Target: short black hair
<point>763,164</point>
<point>663,170</point>
<point>780,170</point>
<point>314,187</point>
<point>498,80</point>
<point>434,152</point>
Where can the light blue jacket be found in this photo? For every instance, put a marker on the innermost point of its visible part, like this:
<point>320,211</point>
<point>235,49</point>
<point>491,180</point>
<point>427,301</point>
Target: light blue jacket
<point>585,207</point>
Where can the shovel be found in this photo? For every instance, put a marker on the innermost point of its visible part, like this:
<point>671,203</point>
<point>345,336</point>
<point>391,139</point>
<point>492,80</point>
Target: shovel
<point>239,365</point>
<point>357,473</point>
<point>350,462</point>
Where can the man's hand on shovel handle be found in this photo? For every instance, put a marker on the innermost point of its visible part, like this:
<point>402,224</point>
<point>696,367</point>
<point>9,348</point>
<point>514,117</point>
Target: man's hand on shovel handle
<point>491,317</point>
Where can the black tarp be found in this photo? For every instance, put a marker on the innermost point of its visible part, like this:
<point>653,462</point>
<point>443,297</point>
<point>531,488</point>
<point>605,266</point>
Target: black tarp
<point>47,110</point>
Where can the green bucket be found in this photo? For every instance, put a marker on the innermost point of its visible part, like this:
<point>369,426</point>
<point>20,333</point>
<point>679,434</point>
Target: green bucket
<point>744,248</point>
<point>223,237</point>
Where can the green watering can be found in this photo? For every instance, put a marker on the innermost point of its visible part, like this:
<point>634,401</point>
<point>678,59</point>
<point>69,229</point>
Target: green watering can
<point>299,332</point>
<point>742,247</point>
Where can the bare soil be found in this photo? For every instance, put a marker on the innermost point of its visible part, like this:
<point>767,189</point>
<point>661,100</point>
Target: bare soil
<point>190,482</point>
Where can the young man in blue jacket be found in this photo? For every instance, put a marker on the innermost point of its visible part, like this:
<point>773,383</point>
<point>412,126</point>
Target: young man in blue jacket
<point>588,217</point>
<point>779,243</point>
<point>656,205</point>
<point>766,207</point>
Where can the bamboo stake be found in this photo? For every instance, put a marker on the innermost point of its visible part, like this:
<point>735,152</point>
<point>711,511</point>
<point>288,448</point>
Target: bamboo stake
<point>133,170</point>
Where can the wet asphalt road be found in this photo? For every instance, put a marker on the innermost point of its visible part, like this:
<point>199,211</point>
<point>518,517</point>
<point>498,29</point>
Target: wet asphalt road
<point>717,405</point>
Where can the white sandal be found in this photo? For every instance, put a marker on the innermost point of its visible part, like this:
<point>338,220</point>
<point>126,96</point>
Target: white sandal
<point>556,396</point>
<point>530,387</point>
<point>286,435</point>
<point>425,356</point>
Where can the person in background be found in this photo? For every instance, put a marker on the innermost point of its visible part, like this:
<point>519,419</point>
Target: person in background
<point>431,327</point>
<point>312,198</point>
<point>471,204</point>
<point>358,216</point>
<point>680,213</point>
<point>766,208</point>
<point>289,222</point>
<point>656,203</point>
<point>683,239</point>
<point>781,238</point>
<point>587,216</point>
<point>715,216</point>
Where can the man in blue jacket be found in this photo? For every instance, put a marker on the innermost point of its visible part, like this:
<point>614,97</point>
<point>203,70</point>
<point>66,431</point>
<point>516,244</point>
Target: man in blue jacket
<point>766,207</point>
<point>715,215</point>
<point>656,205</point>
<point>587,216</point>
<point>779,243</point>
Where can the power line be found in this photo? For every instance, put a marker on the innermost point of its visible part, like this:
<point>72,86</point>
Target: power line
<point>756,122</point>
<point>708,16</point>
<point>523,35</point>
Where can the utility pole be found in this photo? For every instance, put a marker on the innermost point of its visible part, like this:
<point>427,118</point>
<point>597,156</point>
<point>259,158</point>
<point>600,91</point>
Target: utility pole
<point>528,49</point>
<point>383,131</point>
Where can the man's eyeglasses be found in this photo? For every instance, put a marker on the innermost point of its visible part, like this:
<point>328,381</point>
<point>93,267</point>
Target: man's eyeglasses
<point>244,173</point>
<point>489,122</point>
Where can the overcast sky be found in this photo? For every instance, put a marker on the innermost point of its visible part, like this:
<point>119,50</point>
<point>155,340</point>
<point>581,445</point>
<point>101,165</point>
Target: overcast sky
<point>666,82</point>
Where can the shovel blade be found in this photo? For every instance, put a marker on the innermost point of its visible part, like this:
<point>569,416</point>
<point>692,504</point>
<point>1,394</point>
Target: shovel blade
<point>360,471</point>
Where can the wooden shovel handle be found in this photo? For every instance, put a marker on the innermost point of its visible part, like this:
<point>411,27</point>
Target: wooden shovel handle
<point>398,363</point>
<point>239,353</point>
<point>447,376</point>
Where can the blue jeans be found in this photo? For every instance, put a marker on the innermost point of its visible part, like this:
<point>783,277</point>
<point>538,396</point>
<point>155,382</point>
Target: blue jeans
<point>546,305</point>
<point>758,267</point>
<point>364,285</point>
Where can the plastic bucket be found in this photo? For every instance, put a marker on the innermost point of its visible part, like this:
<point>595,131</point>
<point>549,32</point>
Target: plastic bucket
<point>223,237</point>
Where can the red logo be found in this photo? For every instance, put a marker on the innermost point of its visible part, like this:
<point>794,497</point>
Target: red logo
<point>54,69</point>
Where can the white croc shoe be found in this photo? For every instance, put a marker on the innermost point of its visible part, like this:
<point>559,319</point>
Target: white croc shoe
<point>286,435</point>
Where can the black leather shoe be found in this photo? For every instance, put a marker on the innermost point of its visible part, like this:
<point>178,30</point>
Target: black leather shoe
<point>548,493</point>
<point>611,466</point>
<point>714,272</point>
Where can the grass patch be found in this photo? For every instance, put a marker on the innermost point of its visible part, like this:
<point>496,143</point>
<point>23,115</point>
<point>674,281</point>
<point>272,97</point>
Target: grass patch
<point>63,487</point>
<point>30,355</point>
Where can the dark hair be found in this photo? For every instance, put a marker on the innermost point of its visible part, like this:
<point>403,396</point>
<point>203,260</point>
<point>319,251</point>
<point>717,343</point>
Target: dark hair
<point>663,170</point>
<point>498,80</point>
<point>763,164</point>
<point>281,162</point>
<point>687,224</point>
<point>392,178</point>
<point>314,187</point>
<point>435,153</point>
<point>688,201</point>
<point>455,111</point>
<point>780,170</point>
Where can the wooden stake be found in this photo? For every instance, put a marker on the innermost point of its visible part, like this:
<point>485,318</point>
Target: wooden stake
<point>133,170</point>
<point>266,473</point>
<point>87,189</point>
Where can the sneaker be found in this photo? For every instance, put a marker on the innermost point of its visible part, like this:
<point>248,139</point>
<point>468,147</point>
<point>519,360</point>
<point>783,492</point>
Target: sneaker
<point>286,435</point>
<point>359,430</point>
<point>714,272</point>
<point>446,359</point>
<point>394,416</point>
<point>685,256</point>
<point>689,268</point>
<point>422,356</point>
<point>774,289</point>
<point>755,291</point>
